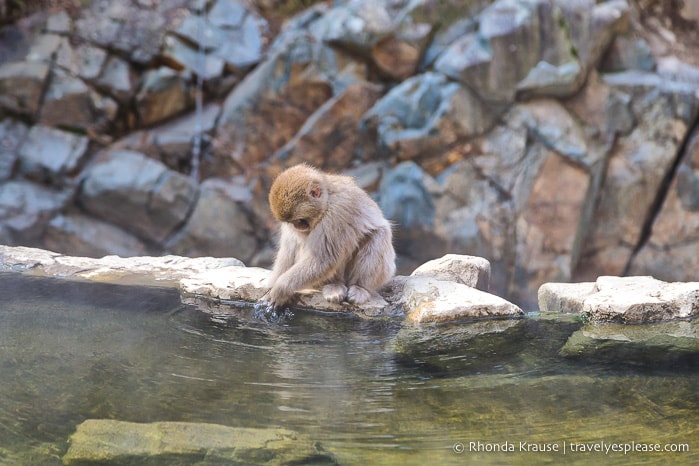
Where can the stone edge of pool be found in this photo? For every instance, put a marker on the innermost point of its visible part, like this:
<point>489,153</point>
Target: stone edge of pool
<point>453,287</point>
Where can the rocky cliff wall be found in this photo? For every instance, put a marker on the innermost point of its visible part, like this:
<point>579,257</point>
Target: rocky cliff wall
<point>558,139</point>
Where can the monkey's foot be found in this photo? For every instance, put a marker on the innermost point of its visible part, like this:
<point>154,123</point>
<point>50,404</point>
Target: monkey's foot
<point>335,292</point>
<point>358,295</point>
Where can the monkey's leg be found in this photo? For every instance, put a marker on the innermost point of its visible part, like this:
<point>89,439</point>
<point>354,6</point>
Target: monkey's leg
<point>373,265</point>
<point>335,292</point>
<point>358,295</point>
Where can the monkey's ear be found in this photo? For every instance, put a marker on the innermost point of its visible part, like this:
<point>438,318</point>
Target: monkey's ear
<point>314,190</point>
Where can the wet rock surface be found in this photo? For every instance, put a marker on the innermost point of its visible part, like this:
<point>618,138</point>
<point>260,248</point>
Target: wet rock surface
<point>659,344</point>
<point>556,139</point>
<point>142,270</point>
<point>630,300</point>
<point>209,282</point>
<point>427,297</point>
<point>630,320</point>
<point>429,346</point>
<point>103,441</point>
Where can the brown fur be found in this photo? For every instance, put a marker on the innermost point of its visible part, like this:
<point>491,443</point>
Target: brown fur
<point>333,235</point>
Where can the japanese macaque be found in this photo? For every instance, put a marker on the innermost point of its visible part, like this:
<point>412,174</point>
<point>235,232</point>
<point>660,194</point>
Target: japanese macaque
<point>333,235</point>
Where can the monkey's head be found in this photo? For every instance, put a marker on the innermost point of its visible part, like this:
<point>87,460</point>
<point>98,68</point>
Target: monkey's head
<point>299,196</point>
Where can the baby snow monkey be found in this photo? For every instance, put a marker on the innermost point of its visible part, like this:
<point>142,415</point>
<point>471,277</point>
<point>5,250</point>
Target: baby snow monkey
<point>333,235</point>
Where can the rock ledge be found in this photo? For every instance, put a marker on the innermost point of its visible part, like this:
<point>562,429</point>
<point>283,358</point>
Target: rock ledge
<point>628,300</point>
<point>440,291</point>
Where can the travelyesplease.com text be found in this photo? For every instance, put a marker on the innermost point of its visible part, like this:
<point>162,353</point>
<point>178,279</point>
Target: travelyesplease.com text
<point>568,447</point>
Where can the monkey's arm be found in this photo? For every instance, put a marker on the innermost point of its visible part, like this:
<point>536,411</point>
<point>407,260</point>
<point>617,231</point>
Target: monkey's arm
<point>316,262</point>
<point>289,244</point>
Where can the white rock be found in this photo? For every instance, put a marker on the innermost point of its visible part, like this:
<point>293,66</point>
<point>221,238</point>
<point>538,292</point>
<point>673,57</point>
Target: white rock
<point>211,283</point>
<point>229,284</point>
<point>623,299</point>
<point>641,299</point>
<point>141,270</point>
<point>566,298</point>
<point>251,284</point>
<point>469,270</point>
<point>426,299</point>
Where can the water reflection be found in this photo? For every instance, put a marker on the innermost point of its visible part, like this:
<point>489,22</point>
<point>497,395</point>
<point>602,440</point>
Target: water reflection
<point>370,391</point>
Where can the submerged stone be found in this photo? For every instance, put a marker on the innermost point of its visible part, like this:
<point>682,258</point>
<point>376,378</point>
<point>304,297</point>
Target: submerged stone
<point>103,441</point>
<point>650,344</point>
<point>434,340</point>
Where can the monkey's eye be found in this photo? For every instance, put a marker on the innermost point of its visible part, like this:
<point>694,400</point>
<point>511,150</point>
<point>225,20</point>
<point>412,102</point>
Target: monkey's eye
<point>301,224</point>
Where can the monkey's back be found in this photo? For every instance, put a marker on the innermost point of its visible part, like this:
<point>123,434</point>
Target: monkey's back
<point>352,207</point>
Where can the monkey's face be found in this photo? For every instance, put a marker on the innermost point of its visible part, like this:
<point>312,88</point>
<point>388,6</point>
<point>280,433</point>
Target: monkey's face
<point>305,215</point>
<point>301,225</point>
<point>298,197</point>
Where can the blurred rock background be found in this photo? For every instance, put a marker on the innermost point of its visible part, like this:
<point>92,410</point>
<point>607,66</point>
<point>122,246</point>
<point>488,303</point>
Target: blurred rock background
<point>556,138</point>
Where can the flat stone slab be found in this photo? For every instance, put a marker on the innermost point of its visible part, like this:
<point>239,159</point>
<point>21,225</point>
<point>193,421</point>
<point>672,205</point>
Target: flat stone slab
<point>427,299</point>
<point>423,298</point>
<point>219,285</point>
<point>250,284</point>
<point>622,299</point>
<point>228,284</point>
<point>653,344</point>
<point>164,271</point>
<point>101,441</point>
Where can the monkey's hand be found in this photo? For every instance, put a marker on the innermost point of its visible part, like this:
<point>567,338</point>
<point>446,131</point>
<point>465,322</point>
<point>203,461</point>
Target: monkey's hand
<point>280,294</point>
